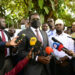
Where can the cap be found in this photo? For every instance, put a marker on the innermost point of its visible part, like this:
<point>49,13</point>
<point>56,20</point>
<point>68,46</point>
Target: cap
<point>59,21</point>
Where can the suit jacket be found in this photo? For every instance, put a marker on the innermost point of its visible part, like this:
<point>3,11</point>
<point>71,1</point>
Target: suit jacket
<point>2,51</point>
<point>33,67</point>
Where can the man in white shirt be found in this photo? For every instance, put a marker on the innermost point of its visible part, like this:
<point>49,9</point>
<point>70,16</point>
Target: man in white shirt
<point>62,66</point>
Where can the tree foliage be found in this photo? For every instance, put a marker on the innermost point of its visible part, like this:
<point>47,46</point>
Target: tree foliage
<point>15,10</point>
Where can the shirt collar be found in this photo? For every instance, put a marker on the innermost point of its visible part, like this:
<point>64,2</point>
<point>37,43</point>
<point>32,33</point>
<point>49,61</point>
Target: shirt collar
<point>34,28</point>
<point>60,34</point>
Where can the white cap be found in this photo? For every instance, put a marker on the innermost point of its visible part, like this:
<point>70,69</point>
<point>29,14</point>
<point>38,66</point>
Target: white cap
<point>59,21</point>
<point>73,23</point>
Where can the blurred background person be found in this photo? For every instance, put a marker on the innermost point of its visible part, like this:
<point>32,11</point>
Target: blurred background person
<point>51,27</point>
<point>73,30</point>
<point>45,27</point>
<point>73,37</point>
<point>68,31</point>
<point>24,23</point>
<point>5,52</point>
<point>12,31</point>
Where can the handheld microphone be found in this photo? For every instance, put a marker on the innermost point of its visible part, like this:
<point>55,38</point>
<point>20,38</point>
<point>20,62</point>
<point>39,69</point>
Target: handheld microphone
<point>33,41</point>
<point>49,51</point>
<point>20,37</point>
<point>56,45</point>
<point>55,40</point>
<point>37,45</point>
<point>60,47</point>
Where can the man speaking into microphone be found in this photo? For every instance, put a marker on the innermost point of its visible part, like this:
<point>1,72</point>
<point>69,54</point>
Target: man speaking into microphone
<point>39,64</point>
<point>63,66</point>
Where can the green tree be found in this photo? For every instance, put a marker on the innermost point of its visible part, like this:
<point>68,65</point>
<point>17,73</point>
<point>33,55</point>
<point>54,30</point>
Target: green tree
<point>15,10</point>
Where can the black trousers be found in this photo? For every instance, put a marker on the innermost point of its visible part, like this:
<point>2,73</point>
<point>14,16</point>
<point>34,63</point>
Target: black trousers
<point>58,69</point>
<point>73,65</point>
<point>46,70</point>
<point>63,70</point>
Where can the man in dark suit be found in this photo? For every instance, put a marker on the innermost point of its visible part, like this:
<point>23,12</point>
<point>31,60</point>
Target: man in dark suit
<point>39,65</point>
<point>5,52</point>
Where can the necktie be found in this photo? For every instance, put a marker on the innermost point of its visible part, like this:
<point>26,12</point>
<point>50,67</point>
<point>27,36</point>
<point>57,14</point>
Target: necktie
<point>3,39</point>
<point>38,36</point>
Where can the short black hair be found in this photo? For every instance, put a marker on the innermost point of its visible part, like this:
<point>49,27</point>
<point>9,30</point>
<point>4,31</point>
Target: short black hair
<point>44,23</point>
<point>32,14</point>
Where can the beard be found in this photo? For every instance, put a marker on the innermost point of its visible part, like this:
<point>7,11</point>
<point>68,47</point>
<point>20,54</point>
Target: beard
<point>59,31</point>
<point>2,27</point>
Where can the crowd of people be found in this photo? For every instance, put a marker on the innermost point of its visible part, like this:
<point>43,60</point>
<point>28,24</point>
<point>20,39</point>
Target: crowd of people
<point>26,55</point>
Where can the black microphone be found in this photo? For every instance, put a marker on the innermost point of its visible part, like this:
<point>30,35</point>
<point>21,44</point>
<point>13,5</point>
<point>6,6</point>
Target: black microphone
<point>61,47</point>
<point>55,40</point>
<point>20,37</point>
<point>34,43</point>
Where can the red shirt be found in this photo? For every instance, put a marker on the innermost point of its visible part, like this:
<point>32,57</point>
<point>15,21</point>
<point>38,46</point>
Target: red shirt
<point>18,67</point>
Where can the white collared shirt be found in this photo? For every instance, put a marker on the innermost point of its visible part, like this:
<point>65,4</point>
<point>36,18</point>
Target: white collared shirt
<point>34,31</point>
<point>8,52</point>
<point>66,41</point>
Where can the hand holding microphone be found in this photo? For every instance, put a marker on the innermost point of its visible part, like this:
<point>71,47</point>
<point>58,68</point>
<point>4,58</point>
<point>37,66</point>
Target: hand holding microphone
<point>46,59</point>
<point>20,38</point>
<point>37,46</point>
<point>50,51</point>
<point>34,43</point>
<point>18,41</point>
<point>60,47</point>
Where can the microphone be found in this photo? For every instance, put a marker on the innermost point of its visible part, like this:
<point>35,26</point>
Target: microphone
<point>33,41</point>
<point>37,45</point>
<point>60,47</point>
<point>20,37</point>
<point>49,51</point>
<point>55,40</point>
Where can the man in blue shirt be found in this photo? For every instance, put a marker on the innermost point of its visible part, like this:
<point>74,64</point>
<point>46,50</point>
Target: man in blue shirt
<point>51,30</point>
